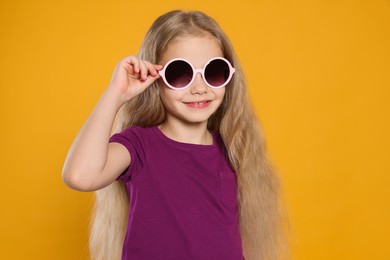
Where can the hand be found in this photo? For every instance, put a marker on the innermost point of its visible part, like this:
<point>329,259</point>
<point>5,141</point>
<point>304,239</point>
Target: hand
<point>132,76</point>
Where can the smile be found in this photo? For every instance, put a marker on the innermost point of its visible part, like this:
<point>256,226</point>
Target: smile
<point>200,104</point>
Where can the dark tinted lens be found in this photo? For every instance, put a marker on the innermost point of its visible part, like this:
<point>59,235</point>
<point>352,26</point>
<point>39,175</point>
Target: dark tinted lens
<point>178,74</point>
<point>217,72</point>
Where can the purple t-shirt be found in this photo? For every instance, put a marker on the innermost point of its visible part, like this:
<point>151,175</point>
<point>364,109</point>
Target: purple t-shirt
<point>183,199</point>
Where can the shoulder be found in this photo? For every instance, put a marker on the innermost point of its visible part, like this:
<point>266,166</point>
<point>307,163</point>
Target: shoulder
<point>218,139</point>
<point>135,131</point>
<point>220,143</point>
<point>131,136</point>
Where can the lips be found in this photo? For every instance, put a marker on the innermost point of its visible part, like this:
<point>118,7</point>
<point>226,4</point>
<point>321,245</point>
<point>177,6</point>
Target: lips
<point>198,104</point>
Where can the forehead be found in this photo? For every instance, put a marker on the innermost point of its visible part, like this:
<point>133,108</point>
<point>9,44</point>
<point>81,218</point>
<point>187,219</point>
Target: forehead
<point>196,49</point>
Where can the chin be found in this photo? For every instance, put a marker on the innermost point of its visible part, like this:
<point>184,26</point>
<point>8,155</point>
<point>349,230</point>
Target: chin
<point>194,118</point>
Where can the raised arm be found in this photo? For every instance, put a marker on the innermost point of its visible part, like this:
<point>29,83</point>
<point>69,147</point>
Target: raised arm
<point>92,162</point>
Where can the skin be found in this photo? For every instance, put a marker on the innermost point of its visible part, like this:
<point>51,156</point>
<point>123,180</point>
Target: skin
<point>186,119</point>
<point>93,163</point>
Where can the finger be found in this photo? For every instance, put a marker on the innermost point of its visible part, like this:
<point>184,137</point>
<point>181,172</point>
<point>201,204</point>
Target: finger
<point>134,62</point>
<point>150,79</point>
<point>152,68</point>
<point>158,68</point>
<point>143,70</point>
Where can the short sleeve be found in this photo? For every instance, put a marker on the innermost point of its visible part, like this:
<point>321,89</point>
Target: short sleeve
<point>129,139</point>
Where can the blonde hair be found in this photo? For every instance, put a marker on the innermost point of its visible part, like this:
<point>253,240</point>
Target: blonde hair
<point>261,216</point>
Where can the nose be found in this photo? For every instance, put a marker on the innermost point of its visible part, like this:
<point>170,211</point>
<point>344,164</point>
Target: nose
<point>199,85</point>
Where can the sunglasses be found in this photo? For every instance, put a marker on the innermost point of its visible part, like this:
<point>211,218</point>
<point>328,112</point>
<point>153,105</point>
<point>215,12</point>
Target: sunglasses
<point>179,73</point>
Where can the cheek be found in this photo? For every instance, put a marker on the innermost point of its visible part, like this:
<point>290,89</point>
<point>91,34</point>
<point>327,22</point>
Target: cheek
<point>168,95</point>
<point>221,93</point>
<point>221,97</point>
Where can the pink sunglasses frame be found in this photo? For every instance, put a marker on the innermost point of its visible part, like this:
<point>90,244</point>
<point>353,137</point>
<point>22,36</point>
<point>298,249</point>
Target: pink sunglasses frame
<point>196,71</point>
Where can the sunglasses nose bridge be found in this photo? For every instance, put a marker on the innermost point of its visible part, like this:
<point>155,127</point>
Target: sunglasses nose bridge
<point>199,71</point>
<point>200,86</point>
<point>196,71</point>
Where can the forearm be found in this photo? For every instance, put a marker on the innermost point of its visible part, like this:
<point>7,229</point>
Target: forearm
<point>86,166</point>
<point>88,153</point>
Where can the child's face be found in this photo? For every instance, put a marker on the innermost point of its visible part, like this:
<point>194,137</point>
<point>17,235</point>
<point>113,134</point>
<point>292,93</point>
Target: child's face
<point>198,102</point>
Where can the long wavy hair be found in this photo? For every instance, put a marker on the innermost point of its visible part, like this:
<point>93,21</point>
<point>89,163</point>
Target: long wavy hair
<point>261,218</point>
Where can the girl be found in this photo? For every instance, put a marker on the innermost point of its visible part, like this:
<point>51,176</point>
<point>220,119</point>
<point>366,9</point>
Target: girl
<point>186,175</point>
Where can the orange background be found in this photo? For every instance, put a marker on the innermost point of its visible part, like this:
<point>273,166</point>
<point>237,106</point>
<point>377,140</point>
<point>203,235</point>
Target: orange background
<point>318,74</point>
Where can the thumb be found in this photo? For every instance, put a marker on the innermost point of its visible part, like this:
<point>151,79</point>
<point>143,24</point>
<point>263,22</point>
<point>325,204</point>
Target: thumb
<point>150,79</point>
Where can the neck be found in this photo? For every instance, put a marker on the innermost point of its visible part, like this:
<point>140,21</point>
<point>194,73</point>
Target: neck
<point>187,133</point>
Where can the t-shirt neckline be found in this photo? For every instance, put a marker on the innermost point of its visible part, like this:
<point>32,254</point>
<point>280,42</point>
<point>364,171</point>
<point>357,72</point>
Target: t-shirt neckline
<point>170,141</point>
